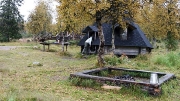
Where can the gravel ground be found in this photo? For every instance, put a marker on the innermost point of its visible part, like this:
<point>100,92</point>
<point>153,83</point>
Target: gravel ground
<point>10,47</point>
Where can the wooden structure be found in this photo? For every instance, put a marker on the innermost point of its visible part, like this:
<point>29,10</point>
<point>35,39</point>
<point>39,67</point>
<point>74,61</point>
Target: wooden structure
<point>151,88</point>
<point>43,36</point>
<point>48,44</point>
<point>134,42</point>
<point>60,39</point>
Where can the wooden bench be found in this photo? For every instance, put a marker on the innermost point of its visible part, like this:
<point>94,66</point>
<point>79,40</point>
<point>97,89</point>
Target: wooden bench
<point>55,43</point>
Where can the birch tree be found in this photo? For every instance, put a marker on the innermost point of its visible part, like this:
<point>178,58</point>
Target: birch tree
<point>99,11</point>
<point>118,13</point>
<point>40,19</point>
<point>84,12</point>
<point>159,19</point>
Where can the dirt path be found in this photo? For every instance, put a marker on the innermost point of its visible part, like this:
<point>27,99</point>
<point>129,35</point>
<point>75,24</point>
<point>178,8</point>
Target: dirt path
<point>10,47</point>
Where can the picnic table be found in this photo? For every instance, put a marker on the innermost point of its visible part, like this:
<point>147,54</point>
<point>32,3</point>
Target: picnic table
<point>55,43</point>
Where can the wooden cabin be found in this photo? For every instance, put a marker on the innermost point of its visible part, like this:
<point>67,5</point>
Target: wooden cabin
<point>131,43</point>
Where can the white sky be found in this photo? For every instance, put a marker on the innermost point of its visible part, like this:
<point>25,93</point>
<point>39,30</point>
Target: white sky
<point>29,6</point>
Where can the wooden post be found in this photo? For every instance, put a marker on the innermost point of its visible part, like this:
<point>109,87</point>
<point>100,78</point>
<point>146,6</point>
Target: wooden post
<point>48,47</point>
<point>43,47</point>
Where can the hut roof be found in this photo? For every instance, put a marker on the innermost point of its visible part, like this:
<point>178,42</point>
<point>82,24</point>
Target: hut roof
<point>90,29</point>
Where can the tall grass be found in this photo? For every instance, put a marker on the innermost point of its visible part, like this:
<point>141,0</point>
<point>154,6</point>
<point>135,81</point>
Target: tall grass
<point>170,59</point>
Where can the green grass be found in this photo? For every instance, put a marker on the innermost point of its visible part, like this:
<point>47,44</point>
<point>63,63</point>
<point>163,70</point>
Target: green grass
<point>20,81</point>
<point>170,59</point>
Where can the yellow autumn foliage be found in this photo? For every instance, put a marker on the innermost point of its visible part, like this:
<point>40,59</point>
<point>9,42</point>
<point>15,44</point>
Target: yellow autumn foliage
<point>159,17</point>
<point>74,15</point>
<point>156,17</point>
<point>40,19</point>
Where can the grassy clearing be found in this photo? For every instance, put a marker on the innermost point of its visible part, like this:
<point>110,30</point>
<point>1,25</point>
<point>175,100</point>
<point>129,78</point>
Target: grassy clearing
<point>20,80</point>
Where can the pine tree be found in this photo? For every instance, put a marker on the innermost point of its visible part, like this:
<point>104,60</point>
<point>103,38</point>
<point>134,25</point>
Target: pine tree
<point>11,22</point>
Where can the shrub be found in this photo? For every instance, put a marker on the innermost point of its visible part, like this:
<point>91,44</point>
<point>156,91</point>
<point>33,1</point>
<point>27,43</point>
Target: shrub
<point>112,60</point>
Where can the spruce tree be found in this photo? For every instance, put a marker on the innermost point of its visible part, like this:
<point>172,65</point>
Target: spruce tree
<point>10,20</point>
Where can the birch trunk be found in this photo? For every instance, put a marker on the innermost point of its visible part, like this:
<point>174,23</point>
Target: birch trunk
<point>101,62</point>
<point>63,43</point>
<point>112,42</point>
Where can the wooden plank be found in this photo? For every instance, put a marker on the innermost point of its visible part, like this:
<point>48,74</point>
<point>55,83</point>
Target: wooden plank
<point>93,70</point>
<point>165,78</point>
<point>133,70</point>
<point>86,74</point>
<point>81,75</point>
<point>48,44</point>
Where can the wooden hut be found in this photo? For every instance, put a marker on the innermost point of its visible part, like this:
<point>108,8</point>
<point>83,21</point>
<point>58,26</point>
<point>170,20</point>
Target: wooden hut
<point>133,42</point>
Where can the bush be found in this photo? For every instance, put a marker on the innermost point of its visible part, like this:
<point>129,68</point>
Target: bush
<point>112,60</point>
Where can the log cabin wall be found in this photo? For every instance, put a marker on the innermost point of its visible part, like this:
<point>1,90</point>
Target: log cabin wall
<point>127,50</point>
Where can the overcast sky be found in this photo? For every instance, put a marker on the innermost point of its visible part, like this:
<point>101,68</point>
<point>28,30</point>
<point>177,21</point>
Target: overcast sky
<point>29,6</point>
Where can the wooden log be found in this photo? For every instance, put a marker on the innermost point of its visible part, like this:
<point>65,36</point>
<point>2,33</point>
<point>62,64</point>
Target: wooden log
<point>132,70</point>
<point>86,74</point>
<point>113,80</point>
<point>165,78</point>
